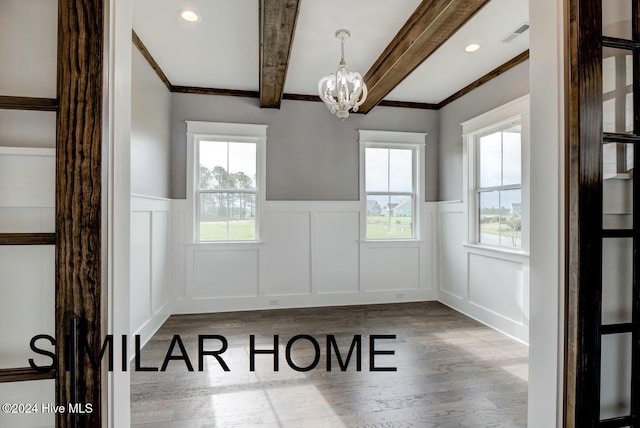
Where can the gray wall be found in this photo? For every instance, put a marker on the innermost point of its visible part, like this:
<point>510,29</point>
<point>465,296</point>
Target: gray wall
<point>504,88</point>
<point>311,155</point>
<point>150,130</point>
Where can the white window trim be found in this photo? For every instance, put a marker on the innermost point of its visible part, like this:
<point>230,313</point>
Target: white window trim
<point>410,140</point>
<point>222,131</point>
<point>516,110</point>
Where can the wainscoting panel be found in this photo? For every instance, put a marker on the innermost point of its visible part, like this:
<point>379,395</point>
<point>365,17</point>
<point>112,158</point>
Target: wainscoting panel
<point>337,252</point>
<point>140,269</point>
<point>219,273</point>
<point>310,254</point>
<point>151,264</point>
<point>488,284</point>
<point>496,286</point>
<point>452,259</point>
<point>160,260</point>
<point>391,269</point>
<point>288,253</point>
<point>179,250</point>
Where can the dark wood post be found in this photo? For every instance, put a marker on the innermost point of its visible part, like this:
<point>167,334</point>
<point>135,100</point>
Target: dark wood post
<point>78,201</point>
<point>584,270</point>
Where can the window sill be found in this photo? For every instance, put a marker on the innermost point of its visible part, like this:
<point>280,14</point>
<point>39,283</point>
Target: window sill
<point>391,240</point>
<point>414,242</point>
<point>496,250</point>
<point>222,243</point>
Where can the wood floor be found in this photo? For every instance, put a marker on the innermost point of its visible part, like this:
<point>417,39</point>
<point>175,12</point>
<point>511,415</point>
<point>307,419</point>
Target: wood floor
<point>451,372</point>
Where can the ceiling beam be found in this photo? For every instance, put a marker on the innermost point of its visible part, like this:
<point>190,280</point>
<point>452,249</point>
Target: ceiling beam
<point>214,91</point>
<point>486,78</point>
<point>152,62</point>
<point>9,102</point>
<point>431,25</point>
<point>277,27</point>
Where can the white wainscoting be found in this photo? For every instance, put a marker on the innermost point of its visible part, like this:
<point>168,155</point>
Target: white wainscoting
<point>309,254</point>
<point>151,264</point>
<point>491,286</point>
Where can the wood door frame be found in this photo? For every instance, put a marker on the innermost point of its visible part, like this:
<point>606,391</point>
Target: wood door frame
<point>585,233</point>
<point>584,243</point>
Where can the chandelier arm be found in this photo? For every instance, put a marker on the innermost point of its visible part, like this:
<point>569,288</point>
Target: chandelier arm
<point>365,92</point>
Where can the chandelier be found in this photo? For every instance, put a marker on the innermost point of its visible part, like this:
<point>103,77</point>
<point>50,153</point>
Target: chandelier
<point>343,90</point>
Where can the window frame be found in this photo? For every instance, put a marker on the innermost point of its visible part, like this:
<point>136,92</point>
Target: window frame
<point>478,189</point>
<point>223,132</point>
<point>414,141</point>
<point>499,119</point>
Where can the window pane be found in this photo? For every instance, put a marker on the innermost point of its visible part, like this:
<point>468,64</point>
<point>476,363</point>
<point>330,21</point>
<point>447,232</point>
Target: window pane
<point>33,392</point>
<point>213,216</point>
<point>617,186</point>
<point>213,164</point>
<point>617,77</point>
<point>489,217</point>
<point>401,216</point>
<point>615,375</point>
<point>376,169</point>
<point>616,19</point>
<point>490,160</point>
<point>242,223</point>
<point>227,216</point>
<point>609,115</point>
<point>511,218</point>
<point>608,74</point>
<point>377,216</point>
<point>375,204</point>
<point>389,216</point>
<point>401,170</point>
<point>617,280</point>
<point>242,166</point>
<point>628,120</point>
<point>511,157</point>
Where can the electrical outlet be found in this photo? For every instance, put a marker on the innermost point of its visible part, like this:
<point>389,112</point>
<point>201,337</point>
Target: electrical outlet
<point>399,296</point>
<point>273,302</point>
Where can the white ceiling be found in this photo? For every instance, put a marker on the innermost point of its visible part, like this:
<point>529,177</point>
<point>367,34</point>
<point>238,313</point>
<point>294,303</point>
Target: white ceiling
<point>221,51</point>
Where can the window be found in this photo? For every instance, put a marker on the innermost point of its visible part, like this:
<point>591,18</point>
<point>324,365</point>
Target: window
<point>227,180</point>
<point>390,183</point>
<point>496,176</point>
<point>499,187</point>
<point>226,190</point>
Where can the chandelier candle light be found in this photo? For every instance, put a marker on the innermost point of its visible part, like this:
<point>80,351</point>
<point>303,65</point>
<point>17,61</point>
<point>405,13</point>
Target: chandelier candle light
<point>343,90</point>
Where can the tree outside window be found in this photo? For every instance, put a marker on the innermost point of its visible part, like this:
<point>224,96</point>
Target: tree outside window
<point>227,184</point>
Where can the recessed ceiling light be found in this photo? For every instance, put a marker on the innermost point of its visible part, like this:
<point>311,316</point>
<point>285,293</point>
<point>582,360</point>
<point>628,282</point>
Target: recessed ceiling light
<point>472,47</point>
<point>189,15</point>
